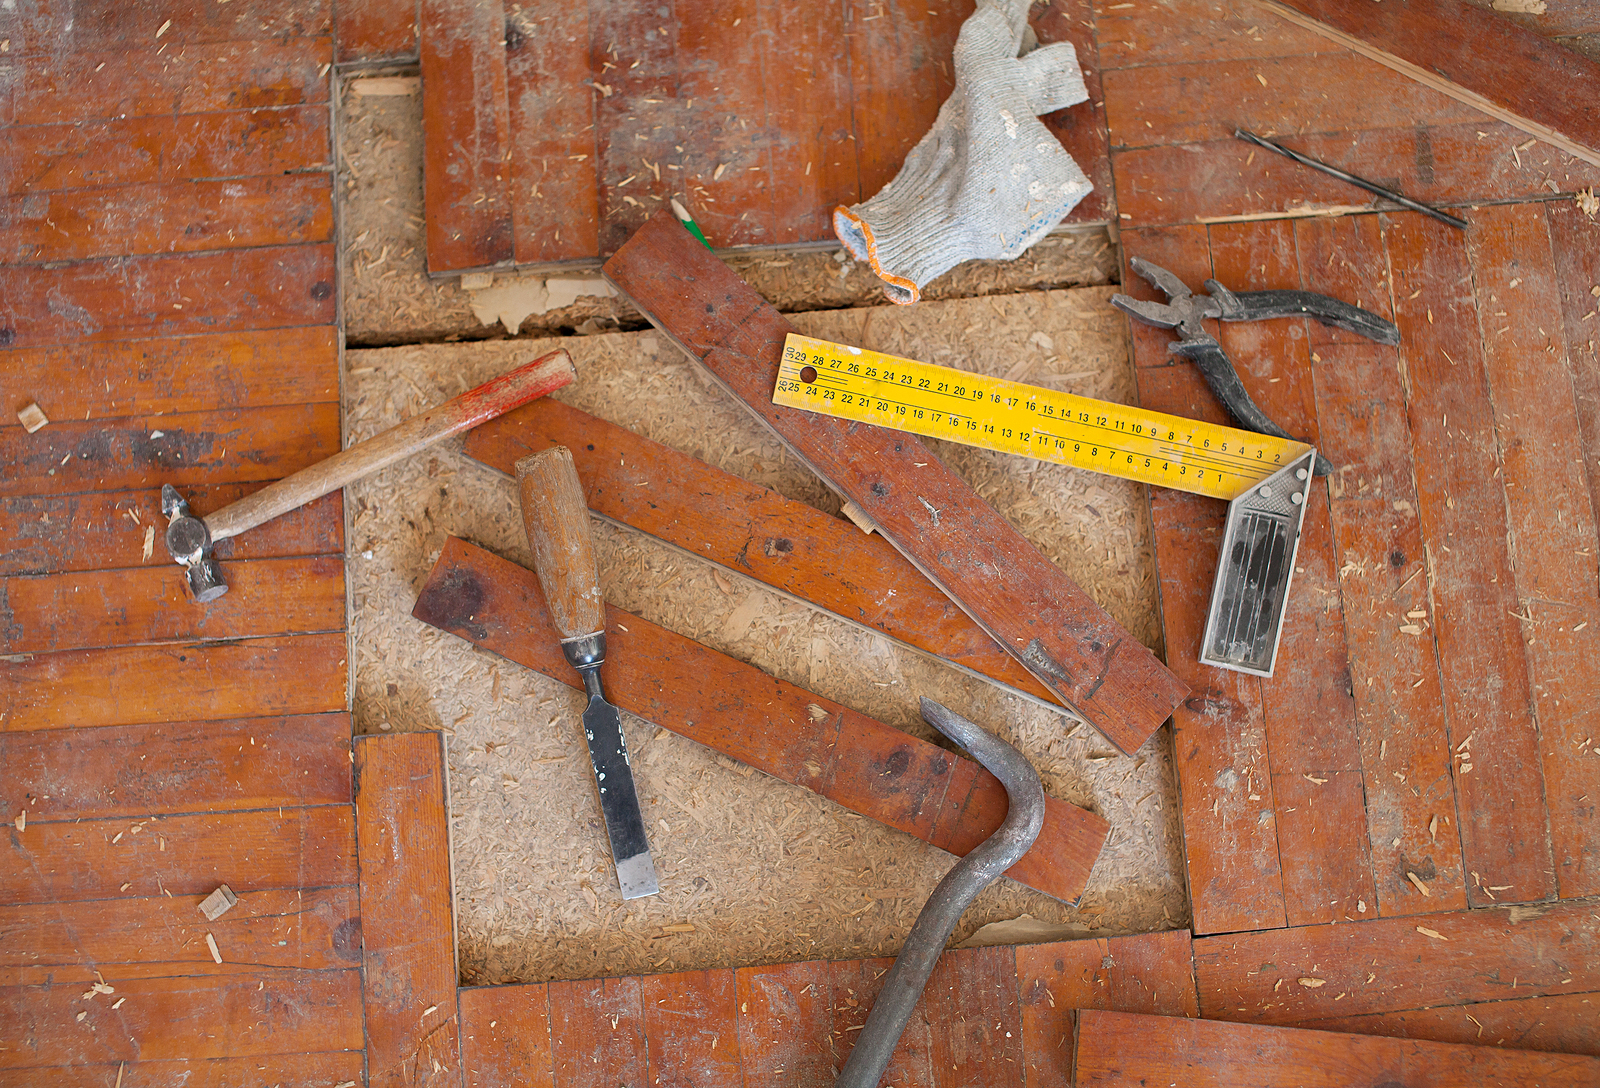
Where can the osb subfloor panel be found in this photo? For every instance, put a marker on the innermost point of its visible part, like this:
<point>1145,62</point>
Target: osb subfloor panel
<point>167,297</point>
<point>766,872</point>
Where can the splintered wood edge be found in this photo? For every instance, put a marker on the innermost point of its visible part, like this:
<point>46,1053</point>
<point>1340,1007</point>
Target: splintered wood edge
<point>1430,79</point>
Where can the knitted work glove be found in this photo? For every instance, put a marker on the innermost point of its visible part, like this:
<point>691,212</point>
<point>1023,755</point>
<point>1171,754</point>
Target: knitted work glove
<point>988,180</point>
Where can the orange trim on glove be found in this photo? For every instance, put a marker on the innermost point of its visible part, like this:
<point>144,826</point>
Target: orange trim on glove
<point>872,259</point>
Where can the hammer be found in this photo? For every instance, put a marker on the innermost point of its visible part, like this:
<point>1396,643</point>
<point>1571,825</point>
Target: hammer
<point>190,538</point>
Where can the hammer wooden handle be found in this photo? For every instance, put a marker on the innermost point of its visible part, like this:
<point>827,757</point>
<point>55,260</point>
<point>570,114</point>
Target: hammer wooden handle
<point>545,374</point>
<point>557,520</point>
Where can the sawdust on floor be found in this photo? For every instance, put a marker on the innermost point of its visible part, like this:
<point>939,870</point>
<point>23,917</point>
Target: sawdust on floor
<point>388,297</point>
<point>764,871</point>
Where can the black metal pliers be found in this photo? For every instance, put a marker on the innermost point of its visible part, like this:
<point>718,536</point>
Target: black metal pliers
<point>1186,312</point>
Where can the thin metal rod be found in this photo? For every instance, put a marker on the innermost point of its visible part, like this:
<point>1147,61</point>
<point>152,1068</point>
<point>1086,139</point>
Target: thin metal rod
<point>980,868</point>
<point>1360,183</point>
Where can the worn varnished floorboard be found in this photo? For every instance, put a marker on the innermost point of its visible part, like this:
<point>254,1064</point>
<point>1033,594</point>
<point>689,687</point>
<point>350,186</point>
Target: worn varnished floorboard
<point>1438,732</point>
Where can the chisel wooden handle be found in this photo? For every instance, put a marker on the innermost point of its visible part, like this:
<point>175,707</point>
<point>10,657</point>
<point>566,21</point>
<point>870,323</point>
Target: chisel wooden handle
<point>518,387</point>
<point>557,520</point>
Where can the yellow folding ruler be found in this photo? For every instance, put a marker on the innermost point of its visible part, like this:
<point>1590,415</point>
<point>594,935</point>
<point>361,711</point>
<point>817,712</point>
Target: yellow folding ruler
<point>1011,417</point>
<point>1266,480</point>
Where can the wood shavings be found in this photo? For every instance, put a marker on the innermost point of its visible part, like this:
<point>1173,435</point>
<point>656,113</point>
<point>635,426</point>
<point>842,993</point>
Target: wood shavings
<point>1312,983</point>
<point>1587,202</point>
<point>211,943</point>
<point>1434,933</point>
<point>149,542</point>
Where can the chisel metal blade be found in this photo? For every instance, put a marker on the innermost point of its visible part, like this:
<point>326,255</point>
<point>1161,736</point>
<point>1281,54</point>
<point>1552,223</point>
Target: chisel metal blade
<point>619,801</point>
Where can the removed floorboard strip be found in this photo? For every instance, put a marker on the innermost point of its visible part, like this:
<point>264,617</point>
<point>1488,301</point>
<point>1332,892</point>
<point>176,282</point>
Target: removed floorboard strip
<point>954,537</point>
<point>1564,1023</point>
<point>407,910</point>
<point>1118,1048</point>
<point>780,729</point>
<point>754,531</point>
<point>323,1068</point>
<point>795,1023</point>
<point>1473,55</point>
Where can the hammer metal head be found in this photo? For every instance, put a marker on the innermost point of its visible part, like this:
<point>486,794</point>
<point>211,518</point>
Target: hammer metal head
<point>189,542</point>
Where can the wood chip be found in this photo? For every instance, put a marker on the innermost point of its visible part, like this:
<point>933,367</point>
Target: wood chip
<point>386,86</point>
<point>1434,933</point>
<point>149,542</point>
<point>21,821</point>
<point>678,927</point>
<point>211,943</point>
<point>218,903</point>
<point>1415,879</point>
<point>32,417</point>
<point>1313,983</point>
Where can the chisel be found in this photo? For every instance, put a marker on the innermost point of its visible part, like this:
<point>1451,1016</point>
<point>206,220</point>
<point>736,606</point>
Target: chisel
<point>557,521</point>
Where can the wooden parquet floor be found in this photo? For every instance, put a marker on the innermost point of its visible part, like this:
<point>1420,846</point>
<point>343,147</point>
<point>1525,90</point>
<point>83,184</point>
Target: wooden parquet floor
<point>1392,847</point>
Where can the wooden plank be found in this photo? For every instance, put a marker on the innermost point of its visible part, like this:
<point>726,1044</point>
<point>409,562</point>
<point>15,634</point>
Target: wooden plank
<point>375,31</point>
<point>856,985</point>
<point>1205,100</point>
<point>1577,256</point>
<point>184,1019</point>
<point>597,1033</point>
<point>808,95</point>
<point>1117,1048</point>
<point>1539,431</point>
<point>331,1067</point>
<point>163,149</point>
<point>181,374</point>
<point>1446,165</point>
<point>184,217</point>
<point>1461,508</point>
<point>303,674</point>
<point>900,74</point>
<point>1564,1023</point>
<point>97,530</point>
<point>691,1027</point>
<point>1390,964</point>
<point>781,543</point>
<point>1392,667</point>
<point>1474,56</point>
<point>298,929</point>
<point>785,1021</point>
<point>120,297</point>
<point>56,862</point>
<point>736,709</point>
<point>505,1036</point>
<point>1082,128</point>
<point>1149,973</point>
<point>1219,732</point>
<point>180,448</point>
<point>407,910</point>
<point>466,136</point>
<point>739,197</point>
<point>553,139</point>
<point>202,77</point>
<point>104,24</point>
<point>170,767</point>
<point>1322,832</point>
<point>973,1000</point>
<point>87,609</point>
<point>1194,30</point>
<point>1066,640</point>
<point>1309,711</point>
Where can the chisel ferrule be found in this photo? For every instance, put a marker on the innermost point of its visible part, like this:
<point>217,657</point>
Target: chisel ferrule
<point>585,651</point>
